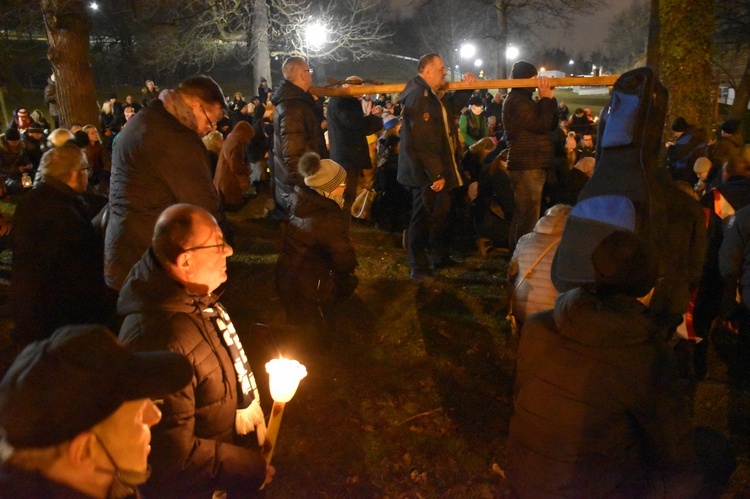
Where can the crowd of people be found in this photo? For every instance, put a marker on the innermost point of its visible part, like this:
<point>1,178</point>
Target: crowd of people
<point>122,224</point>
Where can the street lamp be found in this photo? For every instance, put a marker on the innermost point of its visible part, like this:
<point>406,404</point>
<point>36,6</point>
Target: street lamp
<point>316,35</point>
<point>94,6</point>
<point>467,52</point>
<point>512,52</point>
<point>478,63</point>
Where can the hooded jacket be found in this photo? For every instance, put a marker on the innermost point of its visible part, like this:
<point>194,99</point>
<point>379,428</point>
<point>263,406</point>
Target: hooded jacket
<point>316,241</point>
<point>157,162</point>
<point>194,447</point>
<point>537,292</point>
<point>597,400</point>
<point>426,154</point>
<point>528,128</point>
<point>233,164</point>
<point>296,131</point>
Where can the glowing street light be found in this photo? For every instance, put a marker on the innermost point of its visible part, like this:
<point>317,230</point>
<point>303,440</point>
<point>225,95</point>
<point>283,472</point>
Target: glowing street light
<point>316,35</point>
<point>512,52</point>
<point>468,50</point>
<point>571,62</point>
<point>94,6</point>
<point>478,63</point>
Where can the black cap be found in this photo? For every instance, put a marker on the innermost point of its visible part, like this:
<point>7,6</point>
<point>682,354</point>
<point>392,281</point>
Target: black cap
<point>36,128</point>
<point>66,384</point>
<point>730,126</point>
<point>523,69</point>
<point>475,101</point>
<point>680,125</point>
<point>12,134</point>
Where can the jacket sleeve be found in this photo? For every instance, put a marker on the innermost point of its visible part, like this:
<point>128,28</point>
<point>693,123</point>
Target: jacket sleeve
<point>536,117</point>
<point>177,453</point>
<point>731,258</point>
<point>236,158</point>
<point>294,138</point>
<point>424,124</point>
<point>335,236</point>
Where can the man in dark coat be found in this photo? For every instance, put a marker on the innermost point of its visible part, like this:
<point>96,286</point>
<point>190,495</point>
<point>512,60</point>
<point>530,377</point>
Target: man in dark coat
<point>57,276</point>
<point>528,126</point>
<point>687,147</point>
<point>168,304</point>
<point>348,129</point>
<point>428,162</point>
<point>159,160</point>
<point>598,407</point>
<point>296,129</point>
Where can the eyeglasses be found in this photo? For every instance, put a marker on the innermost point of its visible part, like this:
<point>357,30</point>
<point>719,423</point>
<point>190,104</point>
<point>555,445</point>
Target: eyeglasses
<point>221,246</point>
<point>87,169</point>
<point>308,70</point>
<point>211,124</point>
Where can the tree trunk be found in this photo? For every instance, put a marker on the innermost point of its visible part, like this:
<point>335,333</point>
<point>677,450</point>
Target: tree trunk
<point>68,26</point>
<point>502,42</point>
<point>653,56</point>
<point>262,56</point>
<point>741,95</point>
<point>686,59</point>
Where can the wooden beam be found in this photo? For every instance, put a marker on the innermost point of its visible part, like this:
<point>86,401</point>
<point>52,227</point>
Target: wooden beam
<point>394,88</point>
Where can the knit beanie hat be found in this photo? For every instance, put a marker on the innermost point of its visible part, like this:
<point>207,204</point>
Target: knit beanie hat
<point>523,69</point>
<point>680,125</point>
<point>12,134</point>
<point>702,165</point>
<point>390,121</point>
<point>730,126</point>
<point>624,263</point>
<point>35,128</point>
<point>327,177</point>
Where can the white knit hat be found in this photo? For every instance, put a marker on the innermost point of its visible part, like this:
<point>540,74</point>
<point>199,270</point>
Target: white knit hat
<point>328,177</point>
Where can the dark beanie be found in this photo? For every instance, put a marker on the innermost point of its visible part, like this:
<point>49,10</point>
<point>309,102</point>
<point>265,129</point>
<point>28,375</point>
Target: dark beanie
<point>730,126</point>
<point>475,101</point>
<point>523,69</point>
<point>680,125</point>
<point>12,134</point>
<point>624,263</point>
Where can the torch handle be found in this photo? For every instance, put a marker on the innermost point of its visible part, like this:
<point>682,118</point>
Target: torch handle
<point>274,423</point>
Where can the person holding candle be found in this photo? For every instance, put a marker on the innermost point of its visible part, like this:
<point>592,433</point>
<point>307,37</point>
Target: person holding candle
<point>168,304</point>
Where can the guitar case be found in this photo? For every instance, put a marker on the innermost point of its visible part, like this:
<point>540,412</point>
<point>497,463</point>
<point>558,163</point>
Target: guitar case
<point>623,193</point>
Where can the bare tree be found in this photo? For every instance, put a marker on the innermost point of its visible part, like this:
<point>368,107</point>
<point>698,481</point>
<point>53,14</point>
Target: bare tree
<point>733,50</point>
<point>628,35</point>
<point>68,27</point>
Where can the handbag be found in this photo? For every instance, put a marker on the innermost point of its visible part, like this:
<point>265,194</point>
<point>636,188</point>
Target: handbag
<point>362,206</point>
<point>511,317</point>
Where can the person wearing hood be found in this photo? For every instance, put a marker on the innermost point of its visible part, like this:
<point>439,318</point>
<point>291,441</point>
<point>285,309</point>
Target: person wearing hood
<point>315,269</point>
<point>728,145</point>
<point>528,126</point>
<point>428,162</point>
<point>598,406</point>
<point>168,303</point>
<point>232,170</point>
<point>297,130</point>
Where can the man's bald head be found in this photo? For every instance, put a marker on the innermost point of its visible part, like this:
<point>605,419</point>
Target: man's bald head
<point>296,70</point>
<point>175,228</point>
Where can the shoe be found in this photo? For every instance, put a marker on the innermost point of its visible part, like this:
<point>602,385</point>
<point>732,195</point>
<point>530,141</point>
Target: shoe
<point>419,275</point>
<point>444,263</point>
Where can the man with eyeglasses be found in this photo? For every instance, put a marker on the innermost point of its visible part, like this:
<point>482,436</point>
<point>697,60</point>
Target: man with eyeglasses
<point>57,275</point>
<point>159,160</point>
<point>297,129</point>
<point>168,304</point>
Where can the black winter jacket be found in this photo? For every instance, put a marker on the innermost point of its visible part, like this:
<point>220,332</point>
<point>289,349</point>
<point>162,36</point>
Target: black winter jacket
<point>527,127</point>
<point>597,401</point>
<point>157,162</point>
<point>425,154</point>
<point>57,276</point>
<point>194,448</point>
<point>296,131</point>
<point>348,129</point>
<point>315,242</point>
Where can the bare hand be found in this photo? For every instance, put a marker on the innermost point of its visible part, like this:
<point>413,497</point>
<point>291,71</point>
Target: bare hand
<point>5,228</point>
<point>469,78</point>
<point>544,87</point>
<point>270,472</point>
<point>438,185</point>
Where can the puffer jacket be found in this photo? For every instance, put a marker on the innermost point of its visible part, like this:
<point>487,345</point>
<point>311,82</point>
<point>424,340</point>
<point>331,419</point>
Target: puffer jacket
<point>315,242</point>
<point>597,401</point>
<point>296,131</point>
<point>425,154</point>
<point>233,164</point>
<point>157,162</point>
<point>195,450</point>
<point>537,292</point>
<point>527,127</point>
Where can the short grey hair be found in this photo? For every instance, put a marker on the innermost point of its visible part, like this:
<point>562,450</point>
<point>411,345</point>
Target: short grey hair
<point>59,162</point>
<point>287,69</point>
